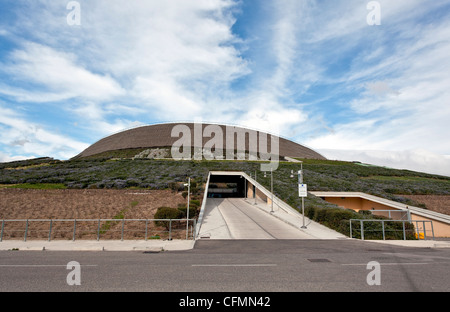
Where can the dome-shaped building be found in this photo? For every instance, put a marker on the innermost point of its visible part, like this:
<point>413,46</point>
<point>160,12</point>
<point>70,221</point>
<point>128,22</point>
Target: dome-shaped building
<point>198,135</point>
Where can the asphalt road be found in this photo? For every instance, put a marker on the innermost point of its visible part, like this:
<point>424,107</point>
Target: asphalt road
<point>234,266</point>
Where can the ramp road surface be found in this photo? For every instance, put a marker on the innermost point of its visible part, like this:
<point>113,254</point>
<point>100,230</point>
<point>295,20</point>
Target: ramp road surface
<point>236,218</point>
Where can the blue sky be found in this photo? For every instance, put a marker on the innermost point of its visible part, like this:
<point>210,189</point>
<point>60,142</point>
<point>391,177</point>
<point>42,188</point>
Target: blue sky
<point>313,71</point>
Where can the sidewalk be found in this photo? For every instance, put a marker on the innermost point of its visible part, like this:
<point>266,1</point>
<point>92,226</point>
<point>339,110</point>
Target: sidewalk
<point>415,243</point>
<point>158,246</point>
<point>102,245</point>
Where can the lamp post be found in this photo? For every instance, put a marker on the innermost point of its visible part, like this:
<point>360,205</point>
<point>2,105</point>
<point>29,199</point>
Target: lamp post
<point>187,211</point>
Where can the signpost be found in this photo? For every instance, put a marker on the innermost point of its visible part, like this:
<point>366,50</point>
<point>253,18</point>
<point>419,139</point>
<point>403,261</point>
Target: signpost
<point>302,190</point>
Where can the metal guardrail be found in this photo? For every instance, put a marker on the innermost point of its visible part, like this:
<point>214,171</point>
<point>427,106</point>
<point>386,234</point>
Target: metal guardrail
<point>101,227</point>
<point>421,232</point>
<point>417,230</point>
<point>403,214</point>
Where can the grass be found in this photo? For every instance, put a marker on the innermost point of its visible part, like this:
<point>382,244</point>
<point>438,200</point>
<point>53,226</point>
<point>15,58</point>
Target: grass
<point>320,175</point>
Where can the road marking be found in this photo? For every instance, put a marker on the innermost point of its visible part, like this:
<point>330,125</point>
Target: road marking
<point>41,265</point>
<point>394,263</point>
<point>234,265</point>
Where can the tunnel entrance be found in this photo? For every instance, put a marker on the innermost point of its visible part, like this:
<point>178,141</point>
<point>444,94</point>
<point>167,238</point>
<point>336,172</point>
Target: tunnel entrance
<point>227,186</point>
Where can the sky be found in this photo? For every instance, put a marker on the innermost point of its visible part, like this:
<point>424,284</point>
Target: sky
<point>355,80</point>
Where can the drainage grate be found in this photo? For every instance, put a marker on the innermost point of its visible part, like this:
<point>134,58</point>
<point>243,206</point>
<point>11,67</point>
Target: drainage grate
<point>319,260</point>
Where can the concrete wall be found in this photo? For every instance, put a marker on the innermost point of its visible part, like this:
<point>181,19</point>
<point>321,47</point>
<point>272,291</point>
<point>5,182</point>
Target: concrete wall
<point>440,229</point>
<point>259,195</point>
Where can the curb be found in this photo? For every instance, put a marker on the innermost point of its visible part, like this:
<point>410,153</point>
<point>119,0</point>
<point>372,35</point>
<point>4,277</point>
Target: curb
<point>143,246</point>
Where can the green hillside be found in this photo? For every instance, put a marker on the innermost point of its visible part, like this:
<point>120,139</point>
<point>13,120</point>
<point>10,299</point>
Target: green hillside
<point>320,175</point>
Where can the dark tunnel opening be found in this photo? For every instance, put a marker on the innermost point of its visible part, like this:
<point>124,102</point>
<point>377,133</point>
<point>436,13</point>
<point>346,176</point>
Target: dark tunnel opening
<point>227,186</point>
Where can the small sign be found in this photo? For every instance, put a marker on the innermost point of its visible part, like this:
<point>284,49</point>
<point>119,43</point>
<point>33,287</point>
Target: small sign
<point>302,190</point>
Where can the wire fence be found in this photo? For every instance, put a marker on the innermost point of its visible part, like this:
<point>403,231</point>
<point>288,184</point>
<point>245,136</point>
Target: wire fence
<point>91,229</point>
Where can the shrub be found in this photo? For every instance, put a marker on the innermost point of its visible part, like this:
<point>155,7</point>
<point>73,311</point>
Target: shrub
<point>193,209</point>
<point>167,213</point>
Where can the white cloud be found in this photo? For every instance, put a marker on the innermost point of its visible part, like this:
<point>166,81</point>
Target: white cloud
<point>57,72</point>
<point>399,87</point>
<point>149,60</point>
<point>7,158</point>
<point>144,61</point>
<point>33,138</point>
<point>415,160</point>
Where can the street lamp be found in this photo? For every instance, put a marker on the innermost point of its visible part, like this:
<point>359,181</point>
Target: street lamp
<point>300,186</point>
<point>187,211</point>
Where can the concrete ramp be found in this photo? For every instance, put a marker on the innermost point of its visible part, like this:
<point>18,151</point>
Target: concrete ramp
<point>237,218</point>
<point>254,216</point>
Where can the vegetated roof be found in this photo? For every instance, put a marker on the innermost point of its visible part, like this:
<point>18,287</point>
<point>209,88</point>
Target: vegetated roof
<point>160,136</point>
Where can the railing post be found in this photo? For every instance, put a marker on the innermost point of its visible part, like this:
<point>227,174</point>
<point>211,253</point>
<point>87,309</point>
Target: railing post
<point>26,232</point>
<point>170,229</point>
<point>74,229</point>
<point>432,228</point>
<point>351,232</point>
<point>424,231</point>
<point>50,231</point>
<point>123,225</point>
<point>98,230</point>
<point>1,234</point>
<point>194,236</point>
<point>362,229</point>
<point>404,233</point>
<point>382,226</point>
<point>146,228</point>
